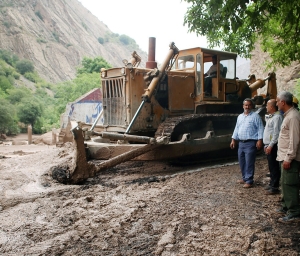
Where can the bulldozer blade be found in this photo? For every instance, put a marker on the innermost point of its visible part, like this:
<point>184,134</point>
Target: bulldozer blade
<point>82,169</point>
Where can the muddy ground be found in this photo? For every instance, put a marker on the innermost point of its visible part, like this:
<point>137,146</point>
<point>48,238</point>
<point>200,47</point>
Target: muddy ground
<point>137,208</point>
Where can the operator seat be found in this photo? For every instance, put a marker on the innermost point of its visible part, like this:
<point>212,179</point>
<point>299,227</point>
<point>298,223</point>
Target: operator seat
<point>224,72</point>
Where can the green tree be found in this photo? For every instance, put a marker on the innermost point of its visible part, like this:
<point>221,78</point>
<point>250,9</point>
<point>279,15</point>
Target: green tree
<point>124,39</point>
<point>5,84</point>
<point>29,110</point>
<point>15,95</point>
<point>90,65</point>
<point>238,25</point>
<point>24,66</point>
<point>297,90</point>
<point>8,124</point>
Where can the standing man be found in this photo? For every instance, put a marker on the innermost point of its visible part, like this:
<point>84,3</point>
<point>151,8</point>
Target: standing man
<point>271,133</point>
<point>248,131</point>
<point>289,157</point>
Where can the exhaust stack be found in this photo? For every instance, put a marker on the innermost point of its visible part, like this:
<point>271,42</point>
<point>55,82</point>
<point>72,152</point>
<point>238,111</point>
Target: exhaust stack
<point>151,63</point>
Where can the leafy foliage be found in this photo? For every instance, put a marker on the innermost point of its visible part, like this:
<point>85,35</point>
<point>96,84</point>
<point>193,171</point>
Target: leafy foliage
<point>29,110</point>
<point>24,66</point>
<point>124,39</point>
<point>9,58</point>
<point>38,13</point>
<point>92,65</point>
<point>71,90</point>
<point>8,124</point>
<point>84,25</point>
<point>56,36</point>
<point>41,40</point>
<point>101,40</point>
<point>32,76</point>
<point>5,84</point>
<point>239,24</point>
<point>41,108</point>
<point>297,89</point>
<point>15,95</point>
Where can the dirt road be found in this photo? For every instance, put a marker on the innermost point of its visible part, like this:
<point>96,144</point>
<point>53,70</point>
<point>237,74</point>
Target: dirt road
<point>137,208</point>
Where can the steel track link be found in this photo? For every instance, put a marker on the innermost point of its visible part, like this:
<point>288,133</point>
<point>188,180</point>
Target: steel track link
<point>167,127</point>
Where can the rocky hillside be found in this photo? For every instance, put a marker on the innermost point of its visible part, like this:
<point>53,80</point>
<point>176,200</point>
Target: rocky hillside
<point>286,77</point>
<point>56,34</point>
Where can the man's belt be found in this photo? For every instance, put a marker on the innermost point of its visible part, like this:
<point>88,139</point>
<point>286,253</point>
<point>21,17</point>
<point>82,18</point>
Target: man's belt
<point>246,140</point>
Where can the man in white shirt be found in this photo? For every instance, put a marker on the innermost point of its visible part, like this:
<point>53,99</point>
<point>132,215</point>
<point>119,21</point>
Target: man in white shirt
<point>212,72</point>
<point>270,139</point>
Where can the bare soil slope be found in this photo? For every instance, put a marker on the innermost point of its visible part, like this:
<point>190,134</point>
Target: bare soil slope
<point>137,208</point>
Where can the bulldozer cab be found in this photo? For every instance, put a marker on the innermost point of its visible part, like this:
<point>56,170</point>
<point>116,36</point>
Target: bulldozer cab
<point>215,72</point>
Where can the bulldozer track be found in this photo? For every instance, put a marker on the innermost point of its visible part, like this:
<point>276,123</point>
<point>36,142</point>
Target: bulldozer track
<point>168,127</point>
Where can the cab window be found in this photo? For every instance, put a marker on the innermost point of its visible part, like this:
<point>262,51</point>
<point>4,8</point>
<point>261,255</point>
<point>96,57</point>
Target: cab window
<point>186,62</point>
<point>229,73</point>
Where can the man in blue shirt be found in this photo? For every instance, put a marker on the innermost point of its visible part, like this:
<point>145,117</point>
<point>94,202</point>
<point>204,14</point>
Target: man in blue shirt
<point>248,132</point>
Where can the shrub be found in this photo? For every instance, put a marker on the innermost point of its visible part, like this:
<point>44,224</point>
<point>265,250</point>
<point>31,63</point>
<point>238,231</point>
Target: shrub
<point>5,84</point>
<point>8,124</point>
<point>24,66</point>
<point>30,76</point>
<point>16,75</point>
<point>56,36</point>
<point>84,25</point>
<point>37,13</point>
<point>41,40</point>
<point>15,95</point>
<point>124,39</point>
<point>100,40</point>
<point>6,56</point>
<point>7,24</point>
<point>11,79</point>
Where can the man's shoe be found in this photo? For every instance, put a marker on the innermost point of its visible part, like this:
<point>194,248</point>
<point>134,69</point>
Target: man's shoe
<point>247,185</point>
<point>268,175</point>
<point>240,182</point>
<point>272,192</point>
<point>289,218</point>
<point>281,211</point>
<point>268,187</point>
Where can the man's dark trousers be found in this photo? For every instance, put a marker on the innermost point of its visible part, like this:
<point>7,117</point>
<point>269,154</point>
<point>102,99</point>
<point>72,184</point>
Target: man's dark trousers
<point>290,188</point>
<point>274,168</point>
<point>247,155</point>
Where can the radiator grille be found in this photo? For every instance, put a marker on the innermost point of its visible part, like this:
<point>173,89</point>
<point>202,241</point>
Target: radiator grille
<point>114,101</point>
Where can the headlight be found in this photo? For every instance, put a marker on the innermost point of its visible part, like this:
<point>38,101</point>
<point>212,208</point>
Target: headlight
<point>122,71</point>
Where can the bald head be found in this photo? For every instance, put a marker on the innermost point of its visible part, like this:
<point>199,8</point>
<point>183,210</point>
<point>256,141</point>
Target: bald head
<point>271,106</point>
<point>272,103</point>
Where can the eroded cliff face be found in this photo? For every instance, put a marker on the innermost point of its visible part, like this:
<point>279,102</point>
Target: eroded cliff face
<point>286,77</point>
<point>55,35</point>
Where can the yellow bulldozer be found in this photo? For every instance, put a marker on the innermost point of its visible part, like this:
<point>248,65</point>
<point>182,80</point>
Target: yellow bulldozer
<point>174,111</point>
